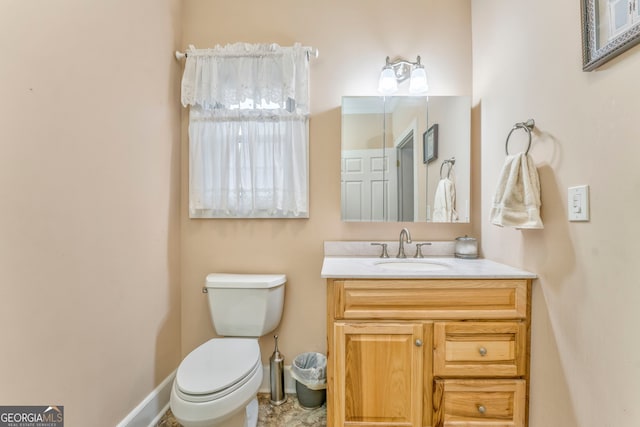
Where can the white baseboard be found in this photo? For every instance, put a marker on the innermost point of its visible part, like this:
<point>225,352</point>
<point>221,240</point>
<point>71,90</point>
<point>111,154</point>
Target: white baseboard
<point>152,408</point>
<point>289,382</point>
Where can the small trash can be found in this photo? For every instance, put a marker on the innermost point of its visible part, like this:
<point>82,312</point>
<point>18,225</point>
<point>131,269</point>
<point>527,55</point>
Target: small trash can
<point>310,372</point>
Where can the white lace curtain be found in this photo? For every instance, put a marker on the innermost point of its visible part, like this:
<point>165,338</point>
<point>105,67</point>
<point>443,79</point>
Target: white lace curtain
<point>248,131</point>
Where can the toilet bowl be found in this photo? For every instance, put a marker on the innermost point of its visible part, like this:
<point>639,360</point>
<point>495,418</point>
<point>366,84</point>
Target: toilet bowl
<point>217,383</point>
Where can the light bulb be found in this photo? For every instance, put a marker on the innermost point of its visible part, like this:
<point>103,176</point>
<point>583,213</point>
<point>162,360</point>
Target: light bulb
<point>418,83</point>
<point>388,83</point>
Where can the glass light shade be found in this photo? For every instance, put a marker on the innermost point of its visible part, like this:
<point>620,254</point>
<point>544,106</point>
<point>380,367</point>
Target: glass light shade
<point>418,83</point>
<point>388,83</point>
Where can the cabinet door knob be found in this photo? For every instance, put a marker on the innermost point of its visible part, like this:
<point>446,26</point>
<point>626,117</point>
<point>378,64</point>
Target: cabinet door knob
<point>482,409</point>
<point>418,343</point>
<point>482,351</point>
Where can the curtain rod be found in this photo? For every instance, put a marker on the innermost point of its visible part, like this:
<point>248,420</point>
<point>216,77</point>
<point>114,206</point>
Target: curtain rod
<point>311,50</point>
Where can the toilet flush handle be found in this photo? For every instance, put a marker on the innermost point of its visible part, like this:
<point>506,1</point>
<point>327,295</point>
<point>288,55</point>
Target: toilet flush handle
<point>205,290</point>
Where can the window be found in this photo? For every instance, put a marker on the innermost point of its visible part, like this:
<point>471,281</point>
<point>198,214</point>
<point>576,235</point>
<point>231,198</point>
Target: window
<point>248,131</point>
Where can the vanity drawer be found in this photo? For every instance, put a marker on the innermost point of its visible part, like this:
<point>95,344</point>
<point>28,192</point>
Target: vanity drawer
<point>479,349</point>
<point>430,299</point>
<point>494,403</point>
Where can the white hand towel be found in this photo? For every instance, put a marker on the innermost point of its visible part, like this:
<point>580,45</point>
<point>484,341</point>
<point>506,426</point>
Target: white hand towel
<point>516,202</point>
<point>444,202</point>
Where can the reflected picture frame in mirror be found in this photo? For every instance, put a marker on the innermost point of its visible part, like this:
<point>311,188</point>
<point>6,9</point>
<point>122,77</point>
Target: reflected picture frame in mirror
<point>430,144</point>
<point>609,28</point>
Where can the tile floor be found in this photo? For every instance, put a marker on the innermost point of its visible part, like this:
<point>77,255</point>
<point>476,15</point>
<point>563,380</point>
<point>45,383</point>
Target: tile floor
<point>289,414</point>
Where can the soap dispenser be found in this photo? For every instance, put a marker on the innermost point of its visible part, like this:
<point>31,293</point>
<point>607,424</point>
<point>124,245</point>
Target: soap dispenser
<point>276,366</point>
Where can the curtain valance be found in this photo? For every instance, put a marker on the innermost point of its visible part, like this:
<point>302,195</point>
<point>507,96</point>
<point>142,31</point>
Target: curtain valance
<point>247,76</point>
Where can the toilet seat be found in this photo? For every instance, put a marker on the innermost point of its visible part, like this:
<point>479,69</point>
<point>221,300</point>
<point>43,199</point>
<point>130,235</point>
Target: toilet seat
<point>217,368</point>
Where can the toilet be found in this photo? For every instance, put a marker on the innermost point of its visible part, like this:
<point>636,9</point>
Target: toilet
<point>217,383</point>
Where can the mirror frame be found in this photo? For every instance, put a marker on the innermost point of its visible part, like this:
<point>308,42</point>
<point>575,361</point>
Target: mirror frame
<point>592,55</point>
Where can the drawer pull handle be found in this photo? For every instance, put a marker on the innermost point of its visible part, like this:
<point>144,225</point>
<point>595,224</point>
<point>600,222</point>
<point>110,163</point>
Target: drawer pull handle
<point>482,409</point>
<point>482,351</point>
<point>418,343</point>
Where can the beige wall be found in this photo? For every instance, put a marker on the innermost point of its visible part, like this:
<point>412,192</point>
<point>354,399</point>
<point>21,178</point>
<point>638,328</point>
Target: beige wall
<point>89,193</point>
<point>527,64</point>
<point>354,38</point>
<point>363,131</point>
<point>92,253</point>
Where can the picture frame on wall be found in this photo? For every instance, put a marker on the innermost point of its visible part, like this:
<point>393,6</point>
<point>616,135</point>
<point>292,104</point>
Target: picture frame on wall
<point>609,28</point>
<point>430,144</point>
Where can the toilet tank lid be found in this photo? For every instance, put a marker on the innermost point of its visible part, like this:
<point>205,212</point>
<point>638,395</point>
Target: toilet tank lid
<point>225,280</point>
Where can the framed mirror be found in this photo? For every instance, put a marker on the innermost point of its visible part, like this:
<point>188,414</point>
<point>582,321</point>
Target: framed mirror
<point>397,154</point>
<point>609,27</point>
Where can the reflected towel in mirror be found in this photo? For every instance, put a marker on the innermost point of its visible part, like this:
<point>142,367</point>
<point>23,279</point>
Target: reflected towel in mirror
<point>444,202</point>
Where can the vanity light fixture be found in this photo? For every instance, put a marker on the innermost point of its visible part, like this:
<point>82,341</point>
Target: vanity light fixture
<point>400,70</point>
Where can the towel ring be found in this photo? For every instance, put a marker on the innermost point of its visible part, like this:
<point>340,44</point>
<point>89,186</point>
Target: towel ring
<point>527,126</point>
<point>450,162</point>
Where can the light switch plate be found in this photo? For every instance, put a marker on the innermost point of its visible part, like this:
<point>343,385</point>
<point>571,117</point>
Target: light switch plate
<point>578,203</point>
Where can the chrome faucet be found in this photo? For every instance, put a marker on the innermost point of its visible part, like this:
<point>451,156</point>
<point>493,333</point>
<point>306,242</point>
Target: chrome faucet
<point>404,236</point>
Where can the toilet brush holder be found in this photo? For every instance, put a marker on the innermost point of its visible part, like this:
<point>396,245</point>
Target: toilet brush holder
<point>276,368</point>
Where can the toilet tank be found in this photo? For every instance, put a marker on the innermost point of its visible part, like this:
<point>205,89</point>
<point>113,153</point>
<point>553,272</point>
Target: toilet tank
<point>245,305</point>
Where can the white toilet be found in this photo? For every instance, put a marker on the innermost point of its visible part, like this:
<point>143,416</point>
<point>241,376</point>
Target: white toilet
<point>217,383</point>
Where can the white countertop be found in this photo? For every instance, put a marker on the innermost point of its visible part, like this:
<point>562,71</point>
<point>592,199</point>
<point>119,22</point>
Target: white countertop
<point>353,267</point>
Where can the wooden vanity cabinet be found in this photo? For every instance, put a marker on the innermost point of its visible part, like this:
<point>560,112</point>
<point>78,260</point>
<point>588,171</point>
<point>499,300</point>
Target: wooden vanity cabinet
<point>428,353</point>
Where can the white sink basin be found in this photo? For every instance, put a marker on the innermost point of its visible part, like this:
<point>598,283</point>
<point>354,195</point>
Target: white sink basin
<point>411,265</point>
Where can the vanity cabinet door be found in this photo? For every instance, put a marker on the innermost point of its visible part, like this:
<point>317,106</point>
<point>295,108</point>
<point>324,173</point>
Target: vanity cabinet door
<point>379,374</point>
